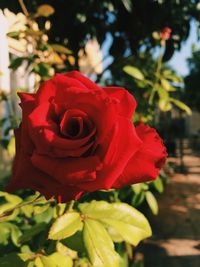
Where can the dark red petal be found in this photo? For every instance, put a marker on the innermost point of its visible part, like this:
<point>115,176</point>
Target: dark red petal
<point>75,124</point>
<point>45,135</point>
<point>99,108</point>
<point>126,102</point>
<point>116,151</point>
<point>26,176</point>
<point>69,171</point>
<point>147,162</point>
<point>27,105</point>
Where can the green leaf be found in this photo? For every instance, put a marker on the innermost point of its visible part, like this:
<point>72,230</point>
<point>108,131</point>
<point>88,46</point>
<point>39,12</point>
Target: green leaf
<point>16,63</point>
<point>163,94</point>
<point>46,216</point>
<point>165,84</point>
<point>164,105</point>
<point>60,260</point>
<point>13,260</point>
<point>137,188</point>
<point>15,235</point>
<point>5,233</point>
<point>134,72</point>
<point>13,201</point>
<point>158,184</point>
<point>44,261</point>
<point>138,199</point>
<point>181,105</point>
<point>126,220</point>
<point>42,69</point>
<point>33,231</point>
<point>65,226</point>
<point>61,49</point>
<point>152,202</point>
<point>99,245</point>
<point>45,10</point>
<point>65,251</point>
<point>75,242</point>
<point>11,198</point>
<point>168,74</point>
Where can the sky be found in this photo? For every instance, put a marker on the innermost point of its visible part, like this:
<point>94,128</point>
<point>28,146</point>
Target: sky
<point>179,59</point>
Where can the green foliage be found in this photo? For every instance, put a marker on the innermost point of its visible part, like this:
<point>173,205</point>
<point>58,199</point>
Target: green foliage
<point>99,245</point>
<point>159,87</point>
<point>134,72</point>
<point>65,226</point>
<point>152,202</point>
<point>97,224</point>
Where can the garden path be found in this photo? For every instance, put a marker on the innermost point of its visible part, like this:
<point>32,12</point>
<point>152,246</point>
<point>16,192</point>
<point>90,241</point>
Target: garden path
<point>176,238</point>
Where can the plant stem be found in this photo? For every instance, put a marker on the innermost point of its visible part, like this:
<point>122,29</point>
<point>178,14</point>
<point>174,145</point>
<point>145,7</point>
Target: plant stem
<point>70,205</point>
<point>23,7</point>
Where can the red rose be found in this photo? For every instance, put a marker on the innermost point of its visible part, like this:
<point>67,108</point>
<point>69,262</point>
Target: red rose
<point>77,137</point>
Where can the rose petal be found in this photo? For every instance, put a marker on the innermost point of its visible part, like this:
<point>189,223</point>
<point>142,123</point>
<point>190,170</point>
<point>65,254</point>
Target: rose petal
<point>84,80</point>
<point>27,104</point>
<point>126,102</point>
<point>116,153</point>
<point>56,86</point>
<point>45,134</point>
<point>70,171</point>
<point>146,163</point>
<point>99,108</point>
<point>26,176</point>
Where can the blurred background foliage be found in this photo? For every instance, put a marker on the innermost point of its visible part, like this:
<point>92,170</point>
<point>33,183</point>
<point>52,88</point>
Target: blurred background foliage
<point>138,38</point>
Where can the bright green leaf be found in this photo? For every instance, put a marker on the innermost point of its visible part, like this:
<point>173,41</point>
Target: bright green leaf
<point>164,105</point>
<point>134,72</point>
<point>99,245</point>
<point>65,251</point>
<point>158,184</point>
<point>126,220</point>
<point>152,202</point>
<point>15,235</point>
<point>163,94</point>
<point>65,226</point>
<point>60,260</point>
<point>137,188</point>
<point>181,105</point>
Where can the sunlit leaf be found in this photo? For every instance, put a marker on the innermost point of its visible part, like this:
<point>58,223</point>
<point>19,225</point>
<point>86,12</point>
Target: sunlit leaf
<point>181,105</point>
<point>130,224</point>
<point>65,226</point>
<point>134,72</point>
<point>152,202</point>
<point>158,184</point>
<point>60,260</point>
<point>99,245</point>
<point>164,105</point>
